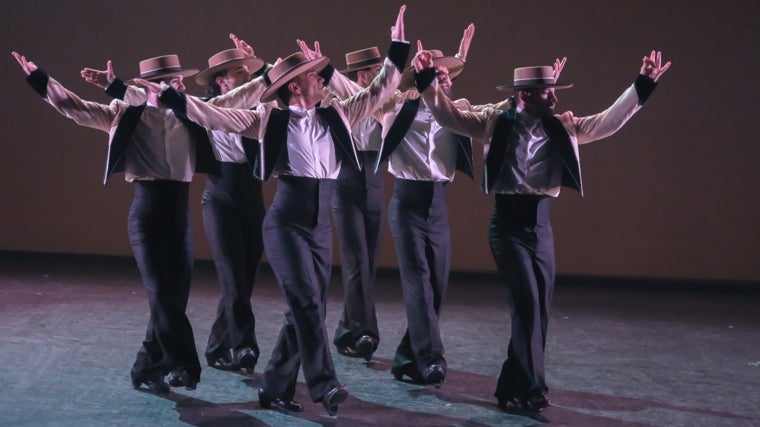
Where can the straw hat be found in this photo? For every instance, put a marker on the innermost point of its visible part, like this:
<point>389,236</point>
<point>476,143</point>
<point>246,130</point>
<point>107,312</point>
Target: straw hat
<point>163,66</point>
<point>227,60</point>
<point>287,69</point>
<point>361,59</point>
<point>534,77</point>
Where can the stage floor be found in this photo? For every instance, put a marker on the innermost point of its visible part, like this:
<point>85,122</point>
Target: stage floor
<point>616,355</point>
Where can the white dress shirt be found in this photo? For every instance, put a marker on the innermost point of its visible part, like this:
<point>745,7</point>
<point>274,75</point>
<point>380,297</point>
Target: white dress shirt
<point>427,153</point>
<point>310,148</point>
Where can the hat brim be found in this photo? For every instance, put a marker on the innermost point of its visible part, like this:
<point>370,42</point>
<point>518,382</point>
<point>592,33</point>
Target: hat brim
<point>363,67</point>
<point>537,86</point>
<point>254,64</point>
<point>183,73</point>
<point>454,64</point>
<point>315,64</point>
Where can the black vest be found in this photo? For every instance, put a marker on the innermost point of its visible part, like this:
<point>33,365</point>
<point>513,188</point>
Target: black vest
<point>502,135</point>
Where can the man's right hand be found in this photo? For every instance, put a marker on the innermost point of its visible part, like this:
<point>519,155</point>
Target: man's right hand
<point>100,78</point>
<point>28,66</point>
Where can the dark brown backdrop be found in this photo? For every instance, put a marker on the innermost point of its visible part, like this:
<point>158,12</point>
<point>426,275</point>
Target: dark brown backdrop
<point>670,196</point>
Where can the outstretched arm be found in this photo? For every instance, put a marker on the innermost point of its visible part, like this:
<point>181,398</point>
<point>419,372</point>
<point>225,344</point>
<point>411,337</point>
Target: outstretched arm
<point>385,83</point>
<point>609,121</point>
<point>446,113</point>
<point>85,113</point>
<point>244,122</point>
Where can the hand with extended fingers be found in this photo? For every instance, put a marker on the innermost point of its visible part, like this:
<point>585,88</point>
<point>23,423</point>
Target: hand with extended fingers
<point>310,53</point>
<point>397,31</point>
<point>652,67</point>
<point>559,64</point>
<point>242,45</point>
<point>464,45</point>
<point>28,66</point>
<point>423,59</point>
<point>100,78</point>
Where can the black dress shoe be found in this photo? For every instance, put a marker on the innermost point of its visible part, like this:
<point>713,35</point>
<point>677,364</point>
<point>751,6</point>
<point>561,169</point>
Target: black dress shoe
<point>332,398</point>
<point>409,370</point>
<point>535,402</point>
<point>155,385</point>
<point>434,374</point>
<point>223,361</point>
<point>246,359</point>
<point>266,402</point>
<point>181,378</point>
<point>363,348</point>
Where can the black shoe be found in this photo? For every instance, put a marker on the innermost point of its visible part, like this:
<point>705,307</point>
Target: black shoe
<point>181,378</point>
<point>365,346</point>
<point>362,348</point>
<point>535,402</point>
<point>266,402</point>
<point>410,371</point>
<point>246,359</point>
<point>332,398</point>
<point>434,374</point>
<point>155,385</point>
<point>223,361</point>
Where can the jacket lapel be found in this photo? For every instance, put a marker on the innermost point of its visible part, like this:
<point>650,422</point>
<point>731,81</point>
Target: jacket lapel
<point>397,130</point>
<point>122,136</point>
<point>571,176</point>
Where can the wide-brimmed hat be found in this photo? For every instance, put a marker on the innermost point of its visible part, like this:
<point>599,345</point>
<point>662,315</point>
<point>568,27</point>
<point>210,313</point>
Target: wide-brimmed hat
<point>454,64</point>
<point>161,67</point>
<point>287,69</point>
<point>534,77</point>
<point>226,60</point>
<point>361,59</point>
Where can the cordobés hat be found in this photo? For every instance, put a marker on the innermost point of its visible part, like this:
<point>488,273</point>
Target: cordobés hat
<point>163,66</point>
<point>534,77</point>
<point>454,64</point>
<point>225,60</point>
<point>361,59</point>
<point>287,69</point>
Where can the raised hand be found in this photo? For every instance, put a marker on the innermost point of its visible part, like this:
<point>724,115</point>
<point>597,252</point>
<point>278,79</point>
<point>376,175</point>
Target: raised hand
<point>100,78</point>
<point>310,54</point>
<point>242,45</point>
<point>559,64</point>
<point>423,59</point>
<point>464,45</point>
<point>397,31</point>
<point>28,66</point>
<point>148,86</point>
<point>651,66</point>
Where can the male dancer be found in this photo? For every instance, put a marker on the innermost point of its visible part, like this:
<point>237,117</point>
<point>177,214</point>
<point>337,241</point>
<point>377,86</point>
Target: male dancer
<point>357,214</point>
<point>422,158</point>
<point>158,152</point>
<point>531,152</point>
<point>305,147</point>
<point>233,203</point>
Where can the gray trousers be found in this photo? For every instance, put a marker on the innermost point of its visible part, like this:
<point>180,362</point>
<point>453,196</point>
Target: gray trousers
<point>420,227</point>
<point>298,244</point>
<point>522,244</point>
<point>357,209</point>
